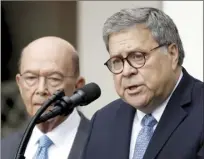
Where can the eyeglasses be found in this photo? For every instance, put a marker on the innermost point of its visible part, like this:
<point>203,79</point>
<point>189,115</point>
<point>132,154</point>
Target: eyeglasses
<point>53,80</point>
<point>135,59</point>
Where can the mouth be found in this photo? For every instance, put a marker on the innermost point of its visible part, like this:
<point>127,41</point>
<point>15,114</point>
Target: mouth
<point>134,89</point>
<point>41,104</point>
<point>38,104</point>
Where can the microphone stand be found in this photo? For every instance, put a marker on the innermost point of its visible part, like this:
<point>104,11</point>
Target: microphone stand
<point>26,136</point>
<point>60,108</point>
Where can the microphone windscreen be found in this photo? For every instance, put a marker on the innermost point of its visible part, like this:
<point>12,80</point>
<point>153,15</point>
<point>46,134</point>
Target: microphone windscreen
<point>91,92</point>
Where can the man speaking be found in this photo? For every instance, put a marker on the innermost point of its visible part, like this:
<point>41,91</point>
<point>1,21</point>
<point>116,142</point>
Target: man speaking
<point>160,112</point>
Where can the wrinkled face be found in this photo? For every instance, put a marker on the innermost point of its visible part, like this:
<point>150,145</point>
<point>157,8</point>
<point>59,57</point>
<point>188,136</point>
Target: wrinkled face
<point>151,83</point>
<point>50,64</point>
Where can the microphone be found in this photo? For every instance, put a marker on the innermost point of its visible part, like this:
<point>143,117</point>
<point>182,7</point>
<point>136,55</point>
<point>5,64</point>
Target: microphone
<point>65,105</point>
<point>26,136</point>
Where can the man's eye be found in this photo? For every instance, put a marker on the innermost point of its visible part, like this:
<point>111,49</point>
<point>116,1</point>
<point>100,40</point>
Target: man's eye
<point>116,61</point>
<point>31,77</point>
<point>54,79</point>
<point>136,56</point>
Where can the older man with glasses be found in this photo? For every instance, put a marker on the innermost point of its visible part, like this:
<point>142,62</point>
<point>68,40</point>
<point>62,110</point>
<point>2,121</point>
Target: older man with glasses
<point>160,112</point>
<point>46,65</point>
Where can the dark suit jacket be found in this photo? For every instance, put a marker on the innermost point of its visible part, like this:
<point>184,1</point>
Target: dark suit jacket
<point>179,133</point>
<point>9,146</point>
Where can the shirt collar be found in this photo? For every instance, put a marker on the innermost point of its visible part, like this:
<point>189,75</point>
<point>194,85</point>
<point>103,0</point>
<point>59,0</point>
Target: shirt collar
<point>157,113</point>
<point>36,134</point>
<point>57,135</point>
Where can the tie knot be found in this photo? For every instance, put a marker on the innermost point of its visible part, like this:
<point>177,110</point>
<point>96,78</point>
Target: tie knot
<point>45,141</point>
<point>149,120</point>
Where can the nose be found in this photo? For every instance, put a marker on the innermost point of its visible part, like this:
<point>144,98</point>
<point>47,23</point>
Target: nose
<point>128,70</point>
<point>42,87</point>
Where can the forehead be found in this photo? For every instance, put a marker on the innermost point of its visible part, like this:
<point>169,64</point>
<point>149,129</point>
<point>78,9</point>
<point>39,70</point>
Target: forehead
<point>137,38</point>
<point>47,58</point>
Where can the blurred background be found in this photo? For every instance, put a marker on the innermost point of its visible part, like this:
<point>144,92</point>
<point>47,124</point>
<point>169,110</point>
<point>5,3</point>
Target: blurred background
<point>81,24</point>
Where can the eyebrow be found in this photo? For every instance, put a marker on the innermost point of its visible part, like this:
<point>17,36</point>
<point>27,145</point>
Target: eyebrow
<point>31,72</point>
<point>48,74</point>
<point>55,72</point>
<point>129,52</point>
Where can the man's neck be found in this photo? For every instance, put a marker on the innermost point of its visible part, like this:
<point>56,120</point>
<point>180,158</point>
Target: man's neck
<point>51,124</point>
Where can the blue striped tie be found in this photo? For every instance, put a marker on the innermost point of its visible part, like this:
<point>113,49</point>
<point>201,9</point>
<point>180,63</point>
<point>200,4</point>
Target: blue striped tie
<point>44,144</point>
<point>144,136</point>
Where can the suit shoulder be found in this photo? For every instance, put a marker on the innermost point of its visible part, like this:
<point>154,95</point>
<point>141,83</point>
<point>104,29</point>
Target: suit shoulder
<point>112,106</point>
<point>109,111</point>
<point>10,144</point>
<point>11,138</point>
<point>199,85</point>
<point>198,89</point>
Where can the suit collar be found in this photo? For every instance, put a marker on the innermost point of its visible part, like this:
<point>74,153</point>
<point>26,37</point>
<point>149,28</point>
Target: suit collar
<point>172,117</point>
<point>122,131</point>
<point>80,139</point>
<point>185,88</point>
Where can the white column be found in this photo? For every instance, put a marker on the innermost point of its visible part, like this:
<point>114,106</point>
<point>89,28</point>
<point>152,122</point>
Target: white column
<point>188,16</point>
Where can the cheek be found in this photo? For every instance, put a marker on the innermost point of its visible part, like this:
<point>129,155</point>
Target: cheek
<point>118,84</point>
<point>69,88</point>
<point>155,74</point>
<point>151,79</point>
<point>26,94</point>
<point>27,98</point>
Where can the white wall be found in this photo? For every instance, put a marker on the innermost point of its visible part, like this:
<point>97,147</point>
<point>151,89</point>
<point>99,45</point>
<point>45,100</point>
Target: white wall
<point>188,16</point>
<point>92,52</point>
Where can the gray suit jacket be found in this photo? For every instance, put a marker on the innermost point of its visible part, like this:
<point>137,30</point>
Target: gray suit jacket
<point>9,145</point>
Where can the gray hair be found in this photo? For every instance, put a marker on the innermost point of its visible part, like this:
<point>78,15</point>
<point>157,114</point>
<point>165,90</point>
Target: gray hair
<point>162,27</point>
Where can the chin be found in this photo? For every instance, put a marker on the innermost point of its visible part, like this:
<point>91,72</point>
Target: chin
<point>137,101</point>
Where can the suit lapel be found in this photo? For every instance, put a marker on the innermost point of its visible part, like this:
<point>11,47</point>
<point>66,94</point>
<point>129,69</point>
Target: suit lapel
<point>80,139</point>
<point>172,117</point>
<point>122,131</point>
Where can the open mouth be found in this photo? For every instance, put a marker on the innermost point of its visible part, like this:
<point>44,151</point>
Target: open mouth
<point>133,89</point>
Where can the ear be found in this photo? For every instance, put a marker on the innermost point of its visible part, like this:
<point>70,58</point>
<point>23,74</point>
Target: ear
<point>174,55</point>
<point>19,82</point>
<point>80,82</point>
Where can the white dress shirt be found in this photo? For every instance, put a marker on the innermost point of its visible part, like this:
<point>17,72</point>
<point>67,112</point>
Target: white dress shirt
<point>157,113</point>
<point>62,136</point>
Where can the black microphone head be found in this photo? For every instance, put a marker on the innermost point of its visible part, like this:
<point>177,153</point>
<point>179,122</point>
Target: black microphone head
<point>91,92</point>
